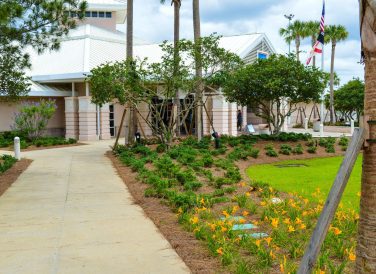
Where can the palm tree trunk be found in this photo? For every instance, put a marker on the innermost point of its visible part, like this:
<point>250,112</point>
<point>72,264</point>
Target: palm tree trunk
<point>197,37</point>
<point>297,46</point>
<point>313,41</point>
<point>132,114</point>
<point>331,107</point>
<point>177,4</point>
<point>366,248</point>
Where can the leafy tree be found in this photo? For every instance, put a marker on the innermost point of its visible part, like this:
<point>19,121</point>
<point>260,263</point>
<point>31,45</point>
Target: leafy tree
<point>154,84</point>
<point>349,99</point>
<point>295,32</point>
<point>39,24</point>
<point>274,86</point>
<point>334,34</point>
<point>32,119</point>
<point>177,5</point>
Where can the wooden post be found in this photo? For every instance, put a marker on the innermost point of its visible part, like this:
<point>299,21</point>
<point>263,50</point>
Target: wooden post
<point>331,204</point>
<point>121,126</point>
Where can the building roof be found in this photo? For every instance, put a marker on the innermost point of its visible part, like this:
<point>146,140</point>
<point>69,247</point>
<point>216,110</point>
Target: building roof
<point>89,46</point>
<point>119,6</point>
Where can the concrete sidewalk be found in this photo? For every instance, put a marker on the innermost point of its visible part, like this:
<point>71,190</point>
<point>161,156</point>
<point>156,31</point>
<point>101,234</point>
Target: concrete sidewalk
<point>71,213</point>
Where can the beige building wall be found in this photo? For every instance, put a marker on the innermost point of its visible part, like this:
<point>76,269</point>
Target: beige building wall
<point>56,126</point>
<point>107,23</point>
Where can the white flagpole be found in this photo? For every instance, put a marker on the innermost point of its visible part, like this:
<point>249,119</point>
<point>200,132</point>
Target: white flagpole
<point>322,97</point>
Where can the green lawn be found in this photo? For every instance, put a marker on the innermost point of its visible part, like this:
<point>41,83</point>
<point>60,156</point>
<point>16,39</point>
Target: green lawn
<point>304,180</point>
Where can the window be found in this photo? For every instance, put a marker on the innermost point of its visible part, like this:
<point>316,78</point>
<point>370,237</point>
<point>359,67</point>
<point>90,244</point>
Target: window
<point>87,14</point>
<point>94,14</point>
<point>101,14</point>
<point>73,14</point>
<point>108,14</point>
<point>262,55</point>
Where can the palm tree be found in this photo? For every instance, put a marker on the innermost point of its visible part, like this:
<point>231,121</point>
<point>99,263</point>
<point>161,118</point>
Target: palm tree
<point>366,247</point>
<point>197,38</point>
<point>177,5</point>
<point>334,34</point>
<point>132,121</point>
<point>312,31</point>
<point>295,32</point>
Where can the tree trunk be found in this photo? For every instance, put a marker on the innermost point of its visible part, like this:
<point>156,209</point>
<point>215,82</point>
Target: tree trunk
<point>366,249</point>
<point>297,46</point>
<point>313,41</point>
<point>331,107</point>
<point>132,115</point>
<point>177,4</point>
<point>197,36</point>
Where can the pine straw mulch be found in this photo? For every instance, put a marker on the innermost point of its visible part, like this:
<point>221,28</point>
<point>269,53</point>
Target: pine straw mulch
<point>10,176</point>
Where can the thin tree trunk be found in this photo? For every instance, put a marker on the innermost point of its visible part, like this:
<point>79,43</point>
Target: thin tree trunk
<point>366,248</point>
<point>132,114</point>
<point>332,115</point>
<point>197,37</point>
<point>297,46</point>
<point>176,57</point>
<point>314,56</point>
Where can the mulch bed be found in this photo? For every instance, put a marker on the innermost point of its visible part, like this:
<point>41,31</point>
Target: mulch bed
<point>10,176</point>
<point>193,252</point>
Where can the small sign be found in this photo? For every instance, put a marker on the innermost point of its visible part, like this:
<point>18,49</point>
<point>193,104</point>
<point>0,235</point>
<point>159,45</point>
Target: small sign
<point>262,55</point>
<point>250,129</point>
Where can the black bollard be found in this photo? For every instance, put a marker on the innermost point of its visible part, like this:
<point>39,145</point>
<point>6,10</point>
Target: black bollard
<point>138,138</point>
<point>216,140</point>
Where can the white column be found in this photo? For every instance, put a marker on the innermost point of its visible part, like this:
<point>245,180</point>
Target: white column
<point>73,90</point>
<point>87,89</point>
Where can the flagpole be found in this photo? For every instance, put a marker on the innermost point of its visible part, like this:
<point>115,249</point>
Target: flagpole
<point>322,97</point>
<point>322,69</point>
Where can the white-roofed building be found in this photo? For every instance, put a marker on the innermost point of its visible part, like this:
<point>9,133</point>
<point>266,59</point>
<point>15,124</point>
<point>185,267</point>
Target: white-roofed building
<point>61,74</point>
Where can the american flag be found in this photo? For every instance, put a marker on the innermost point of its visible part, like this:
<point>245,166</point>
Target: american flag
<point>318,46</point>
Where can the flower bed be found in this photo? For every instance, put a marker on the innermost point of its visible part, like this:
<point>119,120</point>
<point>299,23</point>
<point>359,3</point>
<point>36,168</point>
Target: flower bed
<point>249,226</point>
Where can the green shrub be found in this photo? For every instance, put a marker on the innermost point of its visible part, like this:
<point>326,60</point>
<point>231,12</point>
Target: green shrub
<point>161,148</point>
<point>285,149</point>
<point>192,185</point>
<point>298,149</point>
<point>312,149</point>
<point>330,148</point>
<point>33,117</point>
<point>323,142</point>
<point>185,176</point>
<point>6,162</point>
<point>207,160</point>
<point>343,141</point>
<point>311,142</point>
<point>254,153</point>
<point>233,174</point>
<point>270,151</point>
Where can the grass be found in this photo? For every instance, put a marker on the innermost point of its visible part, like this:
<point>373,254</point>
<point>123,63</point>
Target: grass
<point>315,174</point>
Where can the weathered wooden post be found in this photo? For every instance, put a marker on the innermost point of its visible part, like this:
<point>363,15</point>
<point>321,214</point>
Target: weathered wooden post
<point>331,204</point>
<point>17,148</point>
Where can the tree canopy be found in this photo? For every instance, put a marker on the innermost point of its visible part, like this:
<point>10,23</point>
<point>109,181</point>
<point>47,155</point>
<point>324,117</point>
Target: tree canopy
<point>154,84</point>
<point>349,99</point>
<point>274,86</point>
<point>39,24</point>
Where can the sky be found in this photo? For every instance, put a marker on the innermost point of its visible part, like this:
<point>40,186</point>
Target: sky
<point>153,22</point>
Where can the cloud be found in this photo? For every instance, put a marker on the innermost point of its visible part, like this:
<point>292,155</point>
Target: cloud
<point>154,23</point>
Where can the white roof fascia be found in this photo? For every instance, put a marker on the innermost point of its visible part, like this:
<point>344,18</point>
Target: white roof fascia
<point>50,93</point>
<point>252,45</point>
<point>67,77</point>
